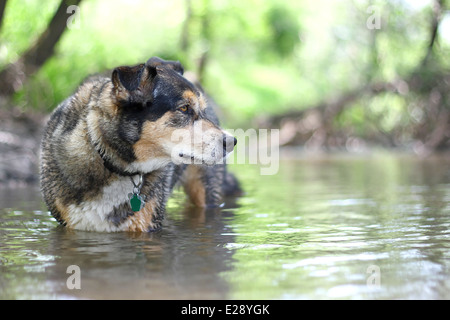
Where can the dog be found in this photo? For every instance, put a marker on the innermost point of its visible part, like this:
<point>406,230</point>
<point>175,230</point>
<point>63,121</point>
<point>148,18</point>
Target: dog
<point>112,153</point>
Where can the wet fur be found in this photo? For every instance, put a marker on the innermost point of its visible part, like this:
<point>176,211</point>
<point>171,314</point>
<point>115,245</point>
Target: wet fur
<point>115,128</point>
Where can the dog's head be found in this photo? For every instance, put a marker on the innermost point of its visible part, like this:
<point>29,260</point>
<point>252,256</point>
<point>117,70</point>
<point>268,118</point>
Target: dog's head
<point>163,117</point>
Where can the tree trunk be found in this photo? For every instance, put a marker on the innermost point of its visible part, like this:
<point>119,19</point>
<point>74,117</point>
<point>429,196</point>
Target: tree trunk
<point>2,11</point>
<point>13,77</point>
<point>438,9</point>
<point>185,41</point>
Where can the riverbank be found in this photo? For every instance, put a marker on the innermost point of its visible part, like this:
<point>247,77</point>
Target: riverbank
<point>21,133</point>
<point>20,136</point>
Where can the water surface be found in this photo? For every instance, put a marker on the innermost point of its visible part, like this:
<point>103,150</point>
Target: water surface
<point>339,227</point>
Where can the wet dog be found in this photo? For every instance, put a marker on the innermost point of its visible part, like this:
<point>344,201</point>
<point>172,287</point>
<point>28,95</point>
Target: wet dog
<point>112,153</point>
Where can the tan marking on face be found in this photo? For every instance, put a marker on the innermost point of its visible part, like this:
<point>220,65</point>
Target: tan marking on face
<point>189,95</point>
<point>196,102</point>
<point>207,132</point>
<point>162,141</point>
<point>141,221</point>
<point>194,187</point>
<point>202,102</point>
<point>208,125</point>
<point>154,135</point>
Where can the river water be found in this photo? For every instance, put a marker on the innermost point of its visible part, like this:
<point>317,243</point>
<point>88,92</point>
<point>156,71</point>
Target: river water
<point>332,227</point>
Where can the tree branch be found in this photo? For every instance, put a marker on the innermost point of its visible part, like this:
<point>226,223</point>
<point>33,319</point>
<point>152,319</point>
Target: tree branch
<point>2,11</point>
<point>185,43</point>
<point>15,74</point>
<point>436,18</point>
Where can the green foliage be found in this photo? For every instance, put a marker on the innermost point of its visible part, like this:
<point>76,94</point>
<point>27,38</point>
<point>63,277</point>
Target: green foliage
<point>262,57</point>
<point>23,22</point>
<point>285,30</point>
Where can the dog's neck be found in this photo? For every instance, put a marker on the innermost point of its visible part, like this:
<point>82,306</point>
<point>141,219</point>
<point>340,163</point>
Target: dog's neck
<point>116,169</point>
<point>134,168</point>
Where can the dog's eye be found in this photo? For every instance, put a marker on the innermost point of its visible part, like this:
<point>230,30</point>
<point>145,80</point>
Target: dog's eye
<point>184,108</point>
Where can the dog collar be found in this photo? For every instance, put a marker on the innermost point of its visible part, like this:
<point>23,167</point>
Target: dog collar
<point>115,169</point>
<point>137,200</point>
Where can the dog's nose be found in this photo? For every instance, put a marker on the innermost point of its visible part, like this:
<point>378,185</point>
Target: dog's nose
<point>229,142</point>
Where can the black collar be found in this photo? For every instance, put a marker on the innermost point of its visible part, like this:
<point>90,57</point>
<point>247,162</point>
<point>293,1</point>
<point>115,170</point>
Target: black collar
<point>113,168</point>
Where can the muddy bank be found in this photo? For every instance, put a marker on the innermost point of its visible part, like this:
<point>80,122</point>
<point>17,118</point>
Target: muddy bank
<point>20,136</point>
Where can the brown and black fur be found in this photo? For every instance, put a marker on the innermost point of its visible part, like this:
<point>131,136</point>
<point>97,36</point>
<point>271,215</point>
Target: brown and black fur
<point>112,130</point>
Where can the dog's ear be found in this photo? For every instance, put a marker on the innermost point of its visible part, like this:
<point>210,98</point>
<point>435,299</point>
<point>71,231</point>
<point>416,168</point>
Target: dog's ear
<point>132,83</point>
<point>127,78</point>
<point>158,62</point>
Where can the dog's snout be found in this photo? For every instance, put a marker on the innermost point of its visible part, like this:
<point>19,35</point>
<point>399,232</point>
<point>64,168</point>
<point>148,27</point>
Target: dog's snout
<point>229,142</point>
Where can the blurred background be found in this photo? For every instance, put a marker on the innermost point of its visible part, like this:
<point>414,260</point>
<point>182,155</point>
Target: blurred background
<point>331,75</point>
<point>358,90</point>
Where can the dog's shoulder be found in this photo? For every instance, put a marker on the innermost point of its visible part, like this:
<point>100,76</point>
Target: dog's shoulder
<point>69,111</point>
<point>92,87</point>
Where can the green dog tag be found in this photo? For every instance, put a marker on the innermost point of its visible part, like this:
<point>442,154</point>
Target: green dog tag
<point>136,202</point>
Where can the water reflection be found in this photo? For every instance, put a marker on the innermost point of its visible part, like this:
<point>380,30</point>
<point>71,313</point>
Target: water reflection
<point>182,261</point>
<point>337,218</point>
<point>315,230</point>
